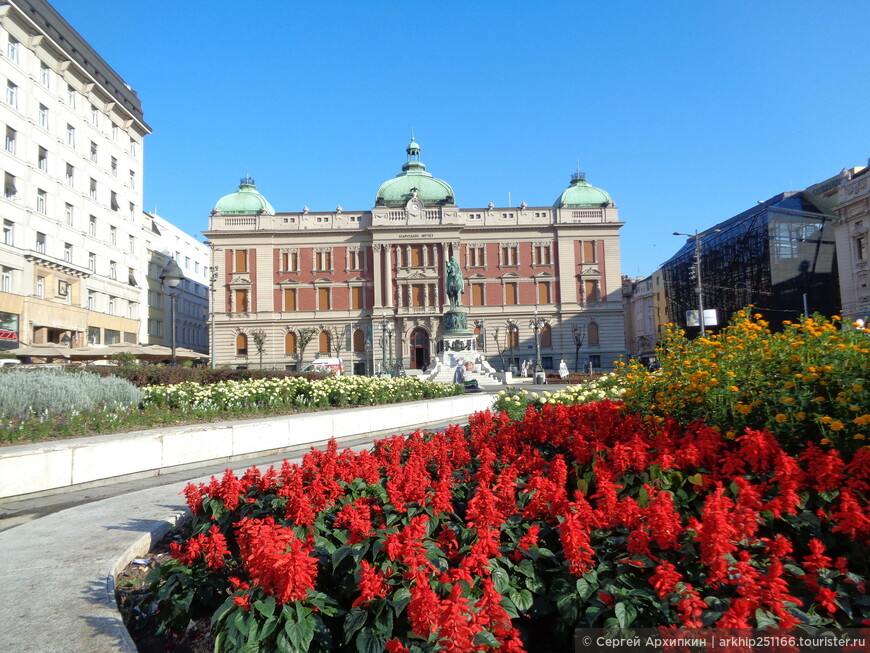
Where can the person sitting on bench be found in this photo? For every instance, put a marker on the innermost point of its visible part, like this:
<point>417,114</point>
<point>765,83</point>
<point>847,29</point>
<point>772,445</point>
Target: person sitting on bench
<point>461,376</point>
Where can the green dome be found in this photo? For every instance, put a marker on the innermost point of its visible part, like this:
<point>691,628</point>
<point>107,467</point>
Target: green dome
<point>581,195</point>
<point>245,201</point>
<point>414,181</point>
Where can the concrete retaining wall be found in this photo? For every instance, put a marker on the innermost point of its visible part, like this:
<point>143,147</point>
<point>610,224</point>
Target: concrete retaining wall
<point>30,468</point>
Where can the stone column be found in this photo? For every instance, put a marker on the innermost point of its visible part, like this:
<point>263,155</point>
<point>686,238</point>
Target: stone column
<point>377,267</point>
<point>388,275</point>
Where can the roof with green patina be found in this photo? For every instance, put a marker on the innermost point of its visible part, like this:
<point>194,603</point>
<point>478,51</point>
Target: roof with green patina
<point>245,201</point>
<point>414,181</point>
<point>581,194</point>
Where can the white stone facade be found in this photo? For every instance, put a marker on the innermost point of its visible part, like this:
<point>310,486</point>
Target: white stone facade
<point>852,232</point>
<point>71,209</point>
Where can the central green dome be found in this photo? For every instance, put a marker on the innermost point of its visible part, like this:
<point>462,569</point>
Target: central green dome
<point>414,181</point>
<point>581,195</point>
<point>245,201</point>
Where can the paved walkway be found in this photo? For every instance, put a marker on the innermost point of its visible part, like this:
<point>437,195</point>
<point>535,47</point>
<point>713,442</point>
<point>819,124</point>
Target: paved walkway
<point>59,556</point>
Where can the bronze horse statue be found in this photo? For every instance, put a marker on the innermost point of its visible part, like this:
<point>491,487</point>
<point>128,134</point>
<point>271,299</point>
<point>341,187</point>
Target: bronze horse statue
<point>455,283</point>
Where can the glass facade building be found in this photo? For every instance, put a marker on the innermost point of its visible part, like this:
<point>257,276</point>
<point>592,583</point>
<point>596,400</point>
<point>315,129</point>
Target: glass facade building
<point>778,256</point>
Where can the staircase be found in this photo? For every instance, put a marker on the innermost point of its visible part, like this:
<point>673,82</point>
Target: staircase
<point>444,374</point>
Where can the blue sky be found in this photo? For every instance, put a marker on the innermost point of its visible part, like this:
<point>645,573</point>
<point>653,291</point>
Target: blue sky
<point>686,112</point>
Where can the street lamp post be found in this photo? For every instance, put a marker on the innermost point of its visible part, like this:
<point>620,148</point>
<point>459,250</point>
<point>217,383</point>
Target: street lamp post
<point>171,277</point>
<point>697,238</point>
<point>537,323</point>
<point>386,341</point>
<point>212,283</point>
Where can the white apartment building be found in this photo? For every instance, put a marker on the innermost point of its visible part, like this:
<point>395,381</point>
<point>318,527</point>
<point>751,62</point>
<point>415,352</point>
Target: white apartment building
<point>71,207</point>
<point>164,241</point>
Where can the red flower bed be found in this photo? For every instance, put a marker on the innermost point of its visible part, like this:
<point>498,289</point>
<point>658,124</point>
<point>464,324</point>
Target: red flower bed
<point>509,535</point>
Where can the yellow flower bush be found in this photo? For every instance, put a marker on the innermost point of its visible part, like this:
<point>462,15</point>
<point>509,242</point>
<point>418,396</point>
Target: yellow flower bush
<point>804,384</point>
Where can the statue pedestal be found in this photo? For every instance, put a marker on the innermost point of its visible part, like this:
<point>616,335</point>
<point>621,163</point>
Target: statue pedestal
<point>452,349</point>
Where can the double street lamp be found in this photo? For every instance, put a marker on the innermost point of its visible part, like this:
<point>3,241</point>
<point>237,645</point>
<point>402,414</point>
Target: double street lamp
<point>170,278</point>
<point>697,238</point>
<point>537,323</point>
<point>387,329</point>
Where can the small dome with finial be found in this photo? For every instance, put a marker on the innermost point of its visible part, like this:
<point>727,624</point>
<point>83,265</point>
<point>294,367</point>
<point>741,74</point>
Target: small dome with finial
<point>581,194</point>
<point>245,201</point>
<point>414,181</point>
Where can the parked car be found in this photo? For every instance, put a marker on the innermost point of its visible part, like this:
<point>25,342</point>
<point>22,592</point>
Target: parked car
<point>9,361</point>
<point>327,365</point>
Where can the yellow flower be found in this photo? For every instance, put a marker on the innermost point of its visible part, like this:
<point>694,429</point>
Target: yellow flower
<point>827,420</point>
<point>861,421</point>
<point>801,416</point>
<point>787,400</point>
<point>743,409</point>
<point>781,418</point>
<point>734,388</point>
<point>837,425</point>
<point>825,441</point>
<point>858,436</point>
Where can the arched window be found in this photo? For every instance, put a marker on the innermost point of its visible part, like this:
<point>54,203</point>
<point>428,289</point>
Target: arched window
<point>325,342</point>
<point>289,343</point>
<point>513,337</point>
<point>241,345</point>
<point>359,340</point>
<point>546,337</point>
<point>592,330</point>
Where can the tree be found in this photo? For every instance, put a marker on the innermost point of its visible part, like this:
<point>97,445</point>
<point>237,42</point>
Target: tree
<point>579,333</point>
<point>259,337</point>
<point>500,347</point>
<point>304,336</point>
<point>336,338</point>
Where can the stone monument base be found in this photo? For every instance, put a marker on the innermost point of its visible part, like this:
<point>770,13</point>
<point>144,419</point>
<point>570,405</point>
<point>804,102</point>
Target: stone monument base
<point>452,349</point>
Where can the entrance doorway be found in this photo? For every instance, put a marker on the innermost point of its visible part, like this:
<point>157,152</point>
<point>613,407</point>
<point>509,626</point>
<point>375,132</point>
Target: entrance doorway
<point>419,349</point>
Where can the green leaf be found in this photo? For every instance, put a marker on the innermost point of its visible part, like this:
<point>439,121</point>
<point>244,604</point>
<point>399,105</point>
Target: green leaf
<point>486,638</point>
<point>522,599</point>
<point>371,641</point>
<point>267,607</point>
<point>305,627</point>
<point>354,620</point>
<point>240,623</point>
<point>625,614</point>
<point>400,600</point>
<point>500,580</point>
<point>585,589</point>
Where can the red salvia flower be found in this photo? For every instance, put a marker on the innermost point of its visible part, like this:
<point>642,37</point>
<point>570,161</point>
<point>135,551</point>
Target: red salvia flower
<point>817,559</point>
<point>372,585</point>
<point>737,615</point>
<point>824,468</point>
<point>665,579</point>
<point>691,607</point>
<point>850,517</point>
<point>575,543</point>
<point>395,646</point>
<point>826,597</point>
<point>716,534</point>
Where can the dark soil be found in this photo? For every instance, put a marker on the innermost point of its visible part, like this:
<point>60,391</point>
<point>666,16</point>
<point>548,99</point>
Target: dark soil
<point>130,590</point>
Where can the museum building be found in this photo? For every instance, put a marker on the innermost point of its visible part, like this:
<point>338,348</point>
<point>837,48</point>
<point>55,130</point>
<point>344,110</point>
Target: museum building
<point>369,286</point>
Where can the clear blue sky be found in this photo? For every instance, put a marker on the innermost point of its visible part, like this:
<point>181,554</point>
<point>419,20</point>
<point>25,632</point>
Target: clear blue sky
<point>686,112</point>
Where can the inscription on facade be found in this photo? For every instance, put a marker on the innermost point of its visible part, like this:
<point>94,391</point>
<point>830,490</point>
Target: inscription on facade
<point>416,235</point>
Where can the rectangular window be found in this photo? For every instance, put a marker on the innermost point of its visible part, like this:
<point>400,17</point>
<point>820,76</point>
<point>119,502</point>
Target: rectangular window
<point>6,280</point>
<point>114,201</point>
<point>588,251</point>
<point>416,256</point>
<point>323,299</point>
<point>111,305</point>
<point>11,135</point>
<point>475,256</point>
<point>70,96</point>
<point>241,260</point>
<point>113,337</point>
<point>41,199</point>
<point>93,190</point>
<point>544,294</point>
<point>92,262</point>
<point>9,190</point>
<point>70,175</point>
<point>132,244</point>
<point>289,262</point>
<point>114,132</point>
<point>323,261</point>
<point>590,291</point>
<point>42,159</point>
<point>289,299</point>
<point>70,135</point>
<point>40,242</point>
<point>12,49</point>
<point>477,294</point>
<point>92,226</point>
<point>132,211</point>
<point>133,148</point>
<point>95,116</point>
<point>12,95</point>
<point>356,259</point>
<point>417,294</point>
<point>113,270</point>
<point>69,214</point>
<point>186,262</point>
<point>92,302</point>
<point>241,301</point>
<point>44,75</point>
<point>356,298</point>
<point>861,248</point>
<point>40,287</point>
<point>43,116</point>
<point>132,179</point>
<point>511,296</point>
<point>113,235</point>
<point>67,252</point>
<point>114,167</point>
<point>93,152</point>
<point>8,233</point>
<point>509,255</point>
<point>542,254</point>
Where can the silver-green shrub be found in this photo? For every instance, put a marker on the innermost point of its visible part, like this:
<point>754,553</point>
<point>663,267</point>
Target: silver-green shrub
<point>53,390</point>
